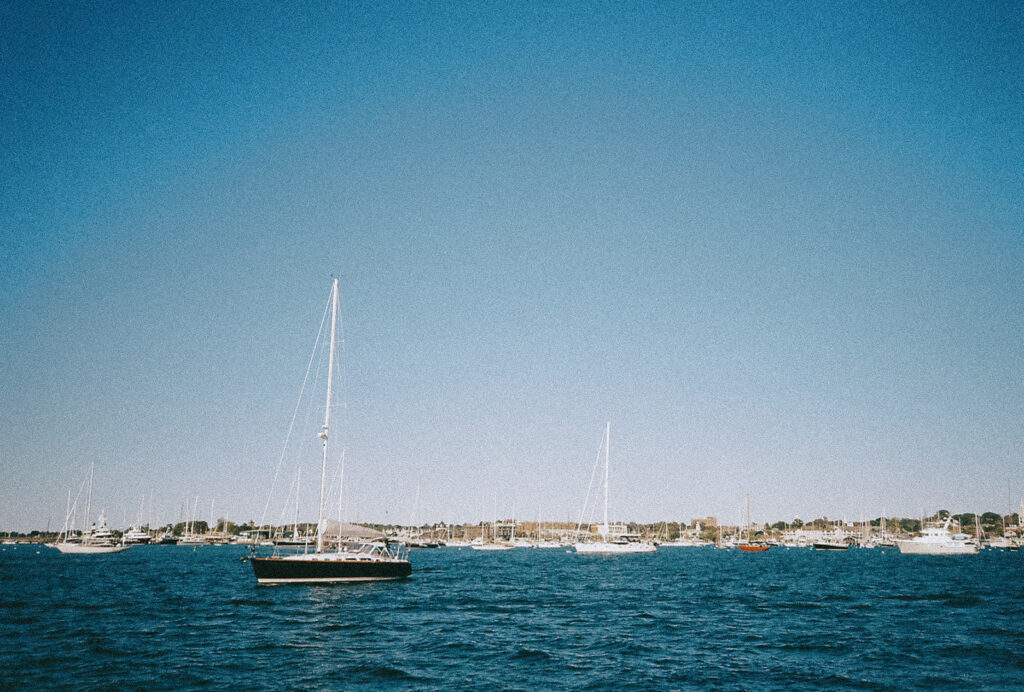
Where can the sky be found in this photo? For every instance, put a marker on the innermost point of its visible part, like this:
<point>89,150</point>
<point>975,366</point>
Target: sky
<point>778,246</point>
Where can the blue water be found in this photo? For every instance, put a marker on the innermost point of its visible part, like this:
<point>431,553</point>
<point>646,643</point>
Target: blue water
<point>161,617</point>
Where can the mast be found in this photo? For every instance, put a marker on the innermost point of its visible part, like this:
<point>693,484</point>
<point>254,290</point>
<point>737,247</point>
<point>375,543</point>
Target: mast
<point>748,517</point>
<point>607,443</point>
<point>88,502</point>
<point>67,517</point>
<point>324,433</point>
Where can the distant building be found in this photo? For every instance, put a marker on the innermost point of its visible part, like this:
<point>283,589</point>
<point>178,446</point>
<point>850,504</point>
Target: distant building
<point>506,530</point>
<point>705,523</point>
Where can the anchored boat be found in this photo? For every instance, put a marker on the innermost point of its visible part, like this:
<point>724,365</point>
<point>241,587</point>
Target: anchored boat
<point>373,558</point>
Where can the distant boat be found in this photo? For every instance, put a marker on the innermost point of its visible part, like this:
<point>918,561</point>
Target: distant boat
<point>614,539</point>
<point>749,546</point>
<point>495,544</point>
<point>136,536</point>
<point>372,560</point>
<point>831,545</point>
<point>545,545</point>
<point>938,540</point>
<point>98,540</point>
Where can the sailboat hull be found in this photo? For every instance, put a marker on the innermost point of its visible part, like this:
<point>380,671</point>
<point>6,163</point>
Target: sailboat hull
<point>86,549</point>
<point>831,546</point>
<point>317,570</point>
<point>614,548</point>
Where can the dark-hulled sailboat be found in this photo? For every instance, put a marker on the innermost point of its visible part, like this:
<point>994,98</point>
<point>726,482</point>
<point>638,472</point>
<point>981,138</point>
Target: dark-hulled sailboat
<point>348,561</point>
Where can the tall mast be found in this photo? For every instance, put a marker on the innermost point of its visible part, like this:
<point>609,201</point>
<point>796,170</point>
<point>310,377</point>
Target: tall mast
<point>324,433</point>
<point>67,516</point>
<point>607,443</point>
<point>88,502</point>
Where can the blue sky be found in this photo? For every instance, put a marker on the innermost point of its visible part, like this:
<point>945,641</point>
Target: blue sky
<point>779,246</point>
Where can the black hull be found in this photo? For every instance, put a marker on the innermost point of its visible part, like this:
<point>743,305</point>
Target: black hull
<point>830,546</point>
<point>273,570</point>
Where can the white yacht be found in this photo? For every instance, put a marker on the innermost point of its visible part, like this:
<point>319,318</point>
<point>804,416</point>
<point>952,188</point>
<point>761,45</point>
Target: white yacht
<point>135,535</point>
<point>938,540</point>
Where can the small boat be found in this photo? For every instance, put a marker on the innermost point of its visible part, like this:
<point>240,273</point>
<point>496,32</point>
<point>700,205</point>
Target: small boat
<point>492,546</point>
<point>747,545</point>
<point>546,545</point>
<point>831,545</point>
<point>373,560</point>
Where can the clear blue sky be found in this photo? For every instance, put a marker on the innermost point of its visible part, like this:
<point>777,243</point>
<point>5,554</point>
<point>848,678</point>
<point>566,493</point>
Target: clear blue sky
<point>779,246</point>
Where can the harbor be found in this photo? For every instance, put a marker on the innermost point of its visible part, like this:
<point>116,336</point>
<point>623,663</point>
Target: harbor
<point>175,617</point>
<point>985,531</point>
<point>512,346</point>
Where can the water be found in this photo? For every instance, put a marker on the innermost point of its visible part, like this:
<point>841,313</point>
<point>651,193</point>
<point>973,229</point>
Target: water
<point>160,617</point>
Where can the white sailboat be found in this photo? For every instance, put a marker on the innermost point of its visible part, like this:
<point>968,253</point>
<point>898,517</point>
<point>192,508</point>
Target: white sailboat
<point>374,559</point>
<point>99,539</point>
<point>614,538</point>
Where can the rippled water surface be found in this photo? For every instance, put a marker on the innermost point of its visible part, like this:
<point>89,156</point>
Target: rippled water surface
<point>159,617</point>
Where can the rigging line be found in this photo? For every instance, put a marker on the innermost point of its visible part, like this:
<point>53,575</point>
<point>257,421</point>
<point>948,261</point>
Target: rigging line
<point>593,472</point>
<point>73,509</point>
<point>342,371</point>
<point>288,504</point>
<point>295,413</point>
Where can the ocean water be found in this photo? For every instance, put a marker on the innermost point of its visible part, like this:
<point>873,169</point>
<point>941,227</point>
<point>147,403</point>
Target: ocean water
<point>159,617</point>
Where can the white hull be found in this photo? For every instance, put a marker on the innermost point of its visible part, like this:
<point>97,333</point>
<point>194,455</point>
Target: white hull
<point>614,548</point>
<point>912,547</point>
<point>80,549</point>
<point>492,547</point>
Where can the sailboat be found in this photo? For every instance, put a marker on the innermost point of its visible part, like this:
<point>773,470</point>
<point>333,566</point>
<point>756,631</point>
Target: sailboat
<point>372,560</point>
<point>747,546</point>
<point>495,544</point>
<point>99,539</point>
<point>614,538</point>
